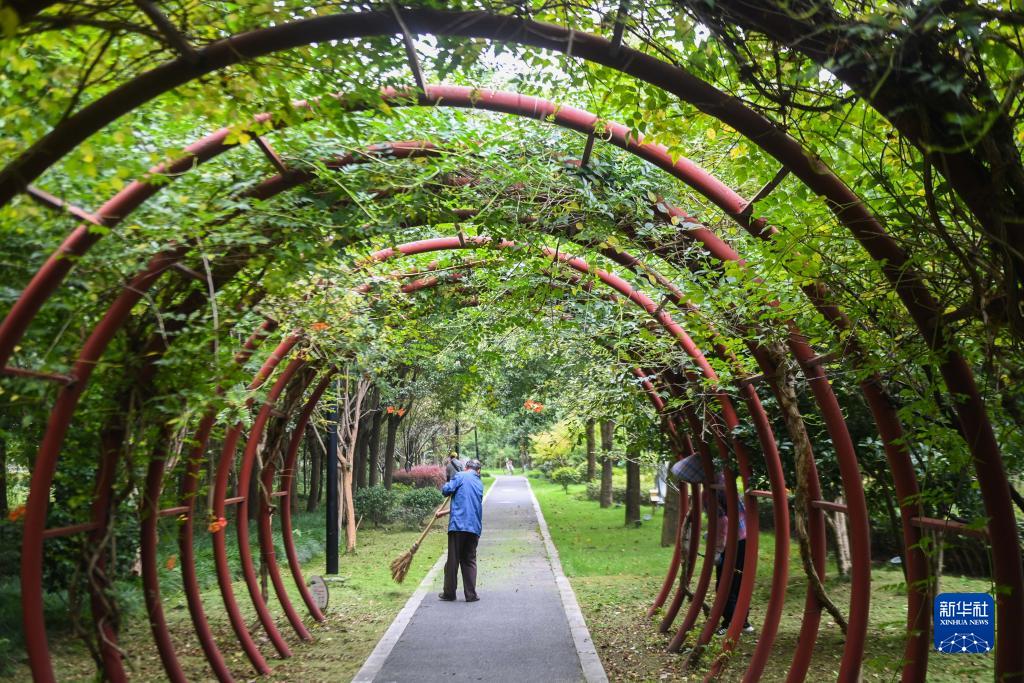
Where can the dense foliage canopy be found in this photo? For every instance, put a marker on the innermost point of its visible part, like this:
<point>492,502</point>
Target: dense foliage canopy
<point>915,106</point>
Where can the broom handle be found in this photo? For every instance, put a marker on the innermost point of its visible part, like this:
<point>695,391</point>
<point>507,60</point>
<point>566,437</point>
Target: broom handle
<point>431,522</point>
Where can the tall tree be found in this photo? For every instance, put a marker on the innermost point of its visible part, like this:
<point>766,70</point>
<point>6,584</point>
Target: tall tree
<point>390,442</point>
<point>359,464</point>
<point>396,412</point>
<point>374,446</point>
<point>350,413</point>
<point>591,452</point>
<point>607,435</point>
<point>315,449</point>
<point>632,485</point>
<point>670,519</point>
<point>3,476</point>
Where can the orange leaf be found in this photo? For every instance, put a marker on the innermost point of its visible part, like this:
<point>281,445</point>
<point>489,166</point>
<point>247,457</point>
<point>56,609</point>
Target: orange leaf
<point>16,514</point>
<point>171,562</point>
<point>319,327</point>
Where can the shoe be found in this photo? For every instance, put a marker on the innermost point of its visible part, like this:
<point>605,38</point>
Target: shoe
<point>473,599</point>
<point>721,631</point>
<point>446,598</point>
<point>747,628</point>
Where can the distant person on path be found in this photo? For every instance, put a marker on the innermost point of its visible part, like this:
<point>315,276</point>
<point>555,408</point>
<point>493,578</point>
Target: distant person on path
<point>508,466</point>
<point>467,510</point>
<point>452,466</point>
<point>690,470</point>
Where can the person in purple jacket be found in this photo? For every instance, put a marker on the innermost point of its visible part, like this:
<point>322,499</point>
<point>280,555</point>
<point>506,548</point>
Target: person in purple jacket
<point>467,509</point>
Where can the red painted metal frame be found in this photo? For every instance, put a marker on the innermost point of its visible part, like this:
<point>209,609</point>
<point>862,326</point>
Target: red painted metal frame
<point>224,578</point>
<point>669,427</point>
<point>242,514</point>
<point>578,120</point>
<point>687,171</point>
<point>187,498</point>
<point>265,514</point>
<point>908,283</point>
<point>239,498</point>
<point>287,472</point>
<point>148,542</point>
<point>837,404</point>
<point>730,417</point>
<point>45,466</point>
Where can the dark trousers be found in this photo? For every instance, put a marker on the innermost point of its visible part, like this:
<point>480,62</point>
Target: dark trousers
<point>734,589</point>
<point>461,553</point>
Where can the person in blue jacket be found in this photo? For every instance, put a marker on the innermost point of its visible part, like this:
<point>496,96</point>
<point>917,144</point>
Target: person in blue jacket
<point>467,510</point>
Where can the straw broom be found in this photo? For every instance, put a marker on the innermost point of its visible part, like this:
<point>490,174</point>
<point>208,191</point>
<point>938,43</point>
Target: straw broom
<point>400,565</point>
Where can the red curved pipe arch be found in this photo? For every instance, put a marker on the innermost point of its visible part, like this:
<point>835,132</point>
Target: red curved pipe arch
<point>893,423</point>
<point>908,283</point>
<point>764,645</point>
<point>151,273</point>
<point>729,201</point>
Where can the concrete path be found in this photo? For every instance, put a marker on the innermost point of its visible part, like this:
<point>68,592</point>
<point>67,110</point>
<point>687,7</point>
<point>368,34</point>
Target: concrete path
<point>526,626</point>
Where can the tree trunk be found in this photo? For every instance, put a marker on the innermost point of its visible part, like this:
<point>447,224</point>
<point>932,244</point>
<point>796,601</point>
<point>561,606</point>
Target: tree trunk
<point>633,487</point>
<point>591,452</point>
<point>322,483</point>
<point>254,482</point>
<point>349,509</point>
<point>803,457</point>
<point>524,453</point>
<point>938,558</point>
<point>389,449</point>
<point>361,455</point>
<point>350,418</point>
<point>607,434</point>
<point>374,447</point>
<point>3,478</point>
<point>293,497</point>
<point>315,467</point>
<point>670,520</point>
<point>837,521</point>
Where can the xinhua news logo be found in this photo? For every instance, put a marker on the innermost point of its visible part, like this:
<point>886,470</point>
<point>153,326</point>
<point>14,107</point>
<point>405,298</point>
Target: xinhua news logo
<point>965,623</point>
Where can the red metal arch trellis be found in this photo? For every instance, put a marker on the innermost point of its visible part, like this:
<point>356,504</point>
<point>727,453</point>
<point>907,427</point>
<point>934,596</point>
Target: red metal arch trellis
<point>865,390</point>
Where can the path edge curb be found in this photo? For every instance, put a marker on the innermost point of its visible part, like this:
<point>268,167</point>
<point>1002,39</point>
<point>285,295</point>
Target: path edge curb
<point>590,662</point>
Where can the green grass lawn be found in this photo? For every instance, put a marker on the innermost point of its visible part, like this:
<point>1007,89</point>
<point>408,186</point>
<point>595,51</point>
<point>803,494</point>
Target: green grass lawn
<point>363,602</point>
<point>616,571</point>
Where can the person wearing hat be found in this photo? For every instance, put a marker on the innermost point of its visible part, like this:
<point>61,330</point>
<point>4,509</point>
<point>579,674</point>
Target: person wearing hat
<point>691,470</point>
<point>452,466</point>
<point>467,510</point>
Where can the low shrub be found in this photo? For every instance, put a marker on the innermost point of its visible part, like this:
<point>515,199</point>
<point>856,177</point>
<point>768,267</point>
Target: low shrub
<point>375,504</point>
<point>416,504</point>
<point>565,476</point>
<point>421,476</point>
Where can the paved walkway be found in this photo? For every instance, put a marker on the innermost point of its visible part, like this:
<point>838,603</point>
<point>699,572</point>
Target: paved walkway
<point>526,627</point>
